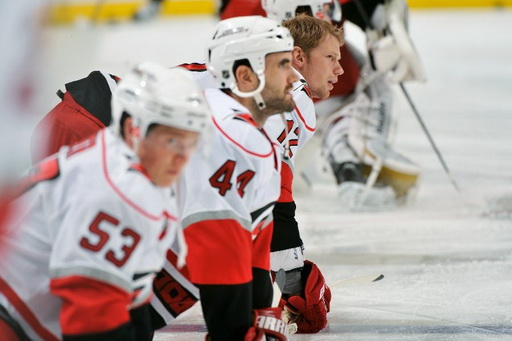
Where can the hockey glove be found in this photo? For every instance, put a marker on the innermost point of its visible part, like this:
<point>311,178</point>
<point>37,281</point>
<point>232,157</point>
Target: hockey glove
<point>267,326</point>
<point>309,311</point>
<point>390,46</point>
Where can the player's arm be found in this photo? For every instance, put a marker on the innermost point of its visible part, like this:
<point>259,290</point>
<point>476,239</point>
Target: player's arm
<point>219,260</point>
<point>173,291</point>
<point>92,309</point>
<point>306,297</point>
<point>226,310</point>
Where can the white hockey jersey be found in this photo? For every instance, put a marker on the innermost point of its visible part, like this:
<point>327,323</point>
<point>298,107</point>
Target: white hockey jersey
<point>300,123</point>
<point>240,180</point>
<point>243,170</point>
<point>89,217</point>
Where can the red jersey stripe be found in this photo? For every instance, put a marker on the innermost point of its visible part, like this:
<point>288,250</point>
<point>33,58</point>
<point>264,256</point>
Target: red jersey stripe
<point>25,312</point>
<point>238,144</point>
<point>303,120</point>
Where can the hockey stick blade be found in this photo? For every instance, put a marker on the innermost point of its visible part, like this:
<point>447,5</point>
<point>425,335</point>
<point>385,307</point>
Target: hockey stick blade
<point>358,280</point>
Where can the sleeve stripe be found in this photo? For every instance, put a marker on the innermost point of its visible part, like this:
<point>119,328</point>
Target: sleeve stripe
<point>25,312</point>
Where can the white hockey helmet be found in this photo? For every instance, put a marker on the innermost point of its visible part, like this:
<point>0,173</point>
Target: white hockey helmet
<point>250,38</point>
<point>281,10</point>
<point>152,94</point>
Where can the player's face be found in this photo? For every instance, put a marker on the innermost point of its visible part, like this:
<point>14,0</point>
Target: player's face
<point>279,78</point>
<point>165,151</point>
<point>322,67</point>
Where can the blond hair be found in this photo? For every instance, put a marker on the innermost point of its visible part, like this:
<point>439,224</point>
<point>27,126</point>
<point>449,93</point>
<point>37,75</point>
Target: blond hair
<point>308,32</point>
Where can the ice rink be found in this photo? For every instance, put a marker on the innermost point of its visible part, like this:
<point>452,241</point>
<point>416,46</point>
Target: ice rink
<point>447,257</point>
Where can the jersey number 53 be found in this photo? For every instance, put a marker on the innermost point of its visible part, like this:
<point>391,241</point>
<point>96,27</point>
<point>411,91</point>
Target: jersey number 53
<point>130,240</point>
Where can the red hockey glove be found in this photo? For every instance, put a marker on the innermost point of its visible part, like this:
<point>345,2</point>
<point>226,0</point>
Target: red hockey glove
<point>267,323</point>
<point>310,311</point>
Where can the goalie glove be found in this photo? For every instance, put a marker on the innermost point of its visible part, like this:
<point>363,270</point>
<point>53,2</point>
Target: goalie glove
<point>267,326</point>
<point>309,311</point>
<point>390,47</point>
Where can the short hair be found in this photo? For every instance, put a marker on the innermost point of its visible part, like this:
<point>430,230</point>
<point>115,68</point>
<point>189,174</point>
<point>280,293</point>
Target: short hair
<point>308,32</point>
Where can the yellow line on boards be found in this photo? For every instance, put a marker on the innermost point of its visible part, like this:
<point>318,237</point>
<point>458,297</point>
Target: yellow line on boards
<point>104,11</point>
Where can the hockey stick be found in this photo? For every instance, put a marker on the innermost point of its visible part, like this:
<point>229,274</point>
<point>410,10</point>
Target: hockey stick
<point>376,168</point>
<point>289,316</point>
<point>368,22</point>
<point>358,280</point>
<point>431,140</point>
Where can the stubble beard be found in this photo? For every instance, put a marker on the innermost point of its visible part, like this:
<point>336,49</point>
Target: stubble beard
<point>275,104</point>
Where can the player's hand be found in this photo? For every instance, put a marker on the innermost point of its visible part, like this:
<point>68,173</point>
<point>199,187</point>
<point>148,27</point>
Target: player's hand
<point>309,311</point>
<point>267,325</point>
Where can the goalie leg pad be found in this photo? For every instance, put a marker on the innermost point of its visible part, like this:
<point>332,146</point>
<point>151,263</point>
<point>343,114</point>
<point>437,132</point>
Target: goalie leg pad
<point>397,170</point>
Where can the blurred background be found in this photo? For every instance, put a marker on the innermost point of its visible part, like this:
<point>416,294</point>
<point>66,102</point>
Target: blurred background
<point>447,257</point>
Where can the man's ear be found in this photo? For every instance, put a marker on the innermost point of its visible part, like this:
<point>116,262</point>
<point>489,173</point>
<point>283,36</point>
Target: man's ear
<point>128,131</point>
<point>246,79</point>
<point>298,56</point>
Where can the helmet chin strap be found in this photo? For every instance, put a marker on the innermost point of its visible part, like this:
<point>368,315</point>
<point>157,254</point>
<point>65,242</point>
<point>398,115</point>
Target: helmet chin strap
<point>259,101</point>
<point>256,94</point>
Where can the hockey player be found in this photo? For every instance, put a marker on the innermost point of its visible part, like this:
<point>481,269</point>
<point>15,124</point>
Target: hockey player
<point>316,58</point>
<point>229,196</point>
<point>98,217</point>
<point>305,292</point>
<point>357,135</point>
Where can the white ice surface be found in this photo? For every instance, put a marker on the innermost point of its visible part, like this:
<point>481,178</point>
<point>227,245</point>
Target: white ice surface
<point>447,261</point>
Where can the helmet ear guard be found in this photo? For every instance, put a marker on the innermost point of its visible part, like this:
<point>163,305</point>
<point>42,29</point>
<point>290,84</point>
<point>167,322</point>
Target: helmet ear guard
<point>151,94</point>
<point>250,38</point>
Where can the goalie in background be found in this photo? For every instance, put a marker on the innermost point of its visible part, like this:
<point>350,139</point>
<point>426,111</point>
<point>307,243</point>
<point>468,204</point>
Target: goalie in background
<point>357,131</point>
